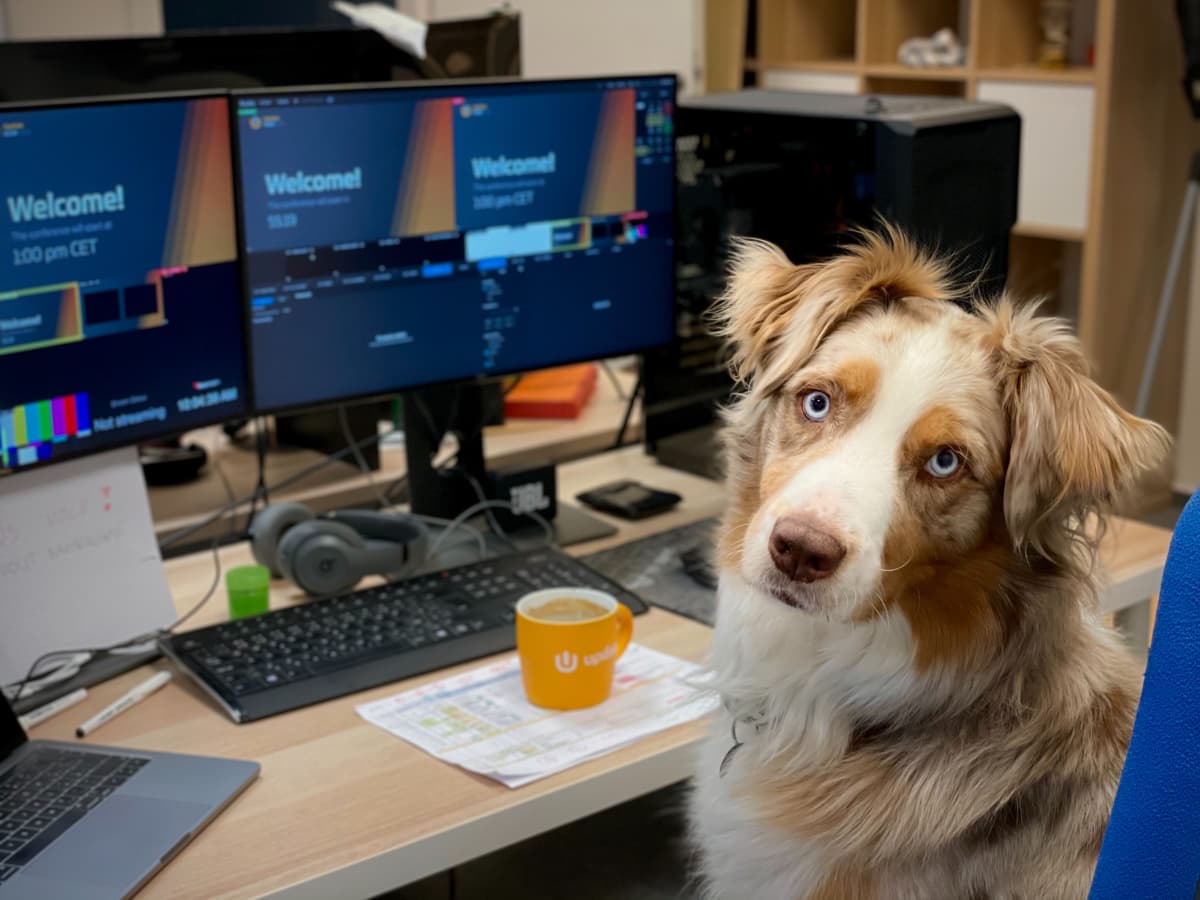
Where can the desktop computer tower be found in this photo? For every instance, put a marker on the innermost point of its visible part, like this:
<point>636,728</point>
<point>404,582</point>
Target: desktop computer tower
<point>803,170</point>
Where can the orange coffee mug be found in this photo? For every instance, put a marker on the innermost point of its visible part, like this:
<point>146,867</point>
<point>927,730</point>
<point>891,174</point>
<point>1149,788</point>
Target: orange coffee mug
<point>569,640</point>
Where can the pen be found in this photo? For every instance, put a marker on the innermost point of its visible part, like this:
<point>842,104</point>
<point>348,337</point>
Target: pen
<point>135,696</point>
<point>53,708</point>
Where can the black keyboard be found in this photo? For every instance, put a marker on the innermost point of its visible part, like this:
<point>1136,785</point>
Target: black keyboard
<point>47,792</point>
<point>307,654</point>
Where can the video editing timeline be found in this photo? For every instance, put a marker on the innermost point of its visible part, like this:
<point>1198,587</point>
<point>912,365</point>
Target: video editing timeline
<point>407,236</point>
<point>120,307</point>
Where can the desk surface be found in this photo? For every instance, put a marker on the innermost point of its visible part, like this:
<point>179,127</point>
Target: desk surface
<point>343,809</point>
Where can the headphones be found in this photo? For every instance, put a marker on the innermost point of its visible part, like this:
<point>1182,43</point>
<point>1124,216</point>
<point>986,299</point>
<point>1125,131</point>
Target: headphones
<point>329,554</point>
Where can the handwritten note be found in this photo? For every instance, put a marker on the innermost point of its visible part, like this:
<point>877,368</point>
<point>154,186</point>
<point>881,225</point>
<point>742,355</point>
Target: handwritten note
<point>79,563</point>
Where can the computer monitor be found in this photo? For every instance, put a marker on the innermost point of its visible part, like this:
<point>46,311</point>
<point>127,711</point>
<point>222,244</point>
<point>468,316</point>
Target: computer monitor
<point>121,315</point>
<point>401,237</point>
<point>405,236</point>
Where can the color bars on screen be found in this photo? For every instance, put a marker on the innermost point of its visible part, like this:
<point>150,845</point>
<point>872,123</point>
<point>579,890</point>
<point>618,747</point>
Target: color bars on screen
<point>28,432</point>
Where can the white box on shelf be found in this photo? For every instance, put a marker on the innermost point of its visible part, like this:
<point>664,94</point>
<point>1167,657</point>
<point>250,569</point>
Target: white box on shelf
<point>820,82</point>
<point>1056,148</point>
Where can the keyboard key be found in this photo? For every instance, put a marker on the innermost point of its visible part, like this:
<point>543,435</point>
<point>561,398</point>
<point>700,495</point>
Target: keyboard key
<point>7,872</point>
<point>47,837</point>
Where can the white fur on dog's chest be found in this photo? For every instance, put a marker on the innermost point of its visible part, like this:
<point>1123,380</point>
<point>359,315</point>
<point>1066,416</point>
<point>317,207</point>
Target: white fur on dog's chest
<point>742,857</point>
<point>809,680</point>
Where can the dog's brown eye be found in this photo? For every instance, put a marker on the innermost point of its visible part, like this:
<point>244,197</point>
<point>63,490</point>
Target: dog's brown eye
<point>815,405</point>
<point>944,463</point>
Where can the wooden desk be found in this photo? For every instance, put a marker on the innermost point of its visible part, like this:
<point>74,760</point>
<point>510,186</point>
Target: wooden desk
<point>518,442</point>
<point>345,810</point>
<point>342,808</point>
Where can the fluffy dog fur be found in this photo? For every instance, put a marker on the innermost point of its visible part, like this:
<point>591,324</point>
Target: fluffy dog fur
<point>944,717</point>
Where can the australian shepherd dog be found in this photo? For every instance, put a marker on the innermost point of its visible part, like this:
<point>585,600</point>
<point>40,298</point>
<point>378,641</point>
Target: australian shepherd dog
<point>919,698</point>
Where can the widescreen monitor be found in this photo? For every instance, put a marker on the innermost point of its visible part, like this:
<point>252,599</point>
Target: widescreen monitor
<point>399,237</point>
<point>121,315</point>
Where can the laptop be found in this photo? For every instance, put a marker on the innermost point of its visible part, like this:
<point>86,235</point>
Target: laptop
<point>78,821</point>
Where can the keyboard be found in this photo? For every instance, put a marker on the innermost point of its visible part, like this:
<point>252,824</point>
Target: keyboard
<point>673,567</point>
<point>294,657</point>
<point>47,792</point>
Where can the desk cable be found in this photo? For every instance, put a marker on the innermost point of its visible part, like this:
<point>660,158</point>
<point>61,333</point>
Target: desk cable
<point>72,663</point>
<point>189,530</point>
<point>484,504</point>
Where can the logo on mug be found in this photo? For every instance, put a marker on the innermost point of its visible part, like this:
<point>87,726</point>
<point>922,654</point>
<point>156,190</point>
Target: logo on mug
<point>604,655</point>
<point>566,662</point>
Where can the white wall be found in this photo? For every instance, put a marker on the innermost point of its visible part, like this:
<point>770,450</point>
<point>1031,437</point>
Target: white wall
<point>572,37</point>
<point>558,37</point>
<point>32,20</point>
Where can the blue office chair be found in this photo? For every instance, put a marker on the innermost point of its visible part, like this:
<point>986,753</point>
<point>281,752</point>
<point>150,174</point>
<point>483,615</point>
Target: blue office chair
<point>1151,850</point>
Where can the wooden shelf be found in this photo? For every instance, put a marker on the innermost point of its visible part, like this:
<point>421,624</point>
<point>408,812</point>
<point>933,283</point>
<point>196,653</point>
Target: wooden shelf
<point>1050,232</point>
<point>811,30</point>
<point>1118,107</point>
<point>1069,75</point>
<point>838,66</point>
<point>887,24</point>
<point>895,70</point>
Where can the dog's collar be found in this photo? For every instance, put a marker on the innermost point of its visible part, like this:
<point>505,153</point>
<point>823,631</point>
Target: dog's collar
<point>754,723</point>
<point>750,724</point>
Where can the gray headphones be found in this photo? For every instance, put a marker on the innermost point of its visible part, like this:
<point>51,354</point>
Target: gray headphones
<point>329,554</point>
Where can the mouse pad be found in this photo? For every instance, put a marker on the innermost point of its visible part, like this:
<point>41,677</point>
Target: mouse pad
<point>670,569</point>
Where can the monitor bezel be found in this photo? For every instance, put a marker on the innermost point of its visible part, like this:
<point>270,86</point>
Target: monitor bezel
<point>448,85</point>
<point>246,408</point>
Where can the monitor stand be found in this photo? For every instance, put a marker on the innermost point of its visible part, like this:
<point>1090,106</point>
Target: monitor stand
<point>430,414</point>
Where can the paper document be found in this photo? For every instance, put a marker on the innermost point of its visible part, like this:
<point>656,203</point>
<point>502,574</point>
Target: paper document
<point>404,31</point>
<point>79,562</point>
<point>481,721</point>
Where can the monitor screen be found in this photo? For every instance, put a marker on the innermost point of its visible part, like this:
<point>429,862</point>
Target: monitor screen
<point>405,236</point>
<point>120,298</point>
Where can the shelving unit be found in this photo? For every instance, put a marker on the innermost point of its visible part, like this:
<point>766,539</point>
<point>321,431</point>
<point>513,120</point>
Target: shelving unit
<point>1105,142</point>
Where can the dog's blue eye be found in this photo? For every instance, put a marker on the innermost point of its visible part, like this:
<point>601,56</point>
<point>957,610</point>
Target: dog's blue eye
<point>815,405</point>
<point>944,463</point>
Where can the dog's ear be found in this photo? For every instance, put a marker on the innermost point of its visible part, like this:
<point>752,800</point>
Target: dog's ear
<point>762,292</point>
<point>771,305</point>
<point>1074,451</point>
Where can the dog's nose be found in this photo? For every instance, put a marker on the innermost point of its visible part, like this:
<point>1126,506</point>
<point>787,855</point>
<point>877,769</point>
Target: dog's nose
<point>803,552</point>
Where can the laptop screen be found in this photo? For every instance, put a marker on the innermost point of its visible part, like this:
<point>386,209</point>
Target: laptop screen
<point>12,735</point>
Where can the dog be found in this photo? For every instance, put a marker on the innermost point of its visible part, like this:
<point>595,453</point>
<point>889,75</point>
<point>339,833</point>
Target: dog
<point>919,699</point>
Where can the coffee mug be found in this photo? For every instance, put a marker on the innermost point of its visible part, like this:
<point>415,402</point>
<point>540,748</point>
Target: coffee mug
<point>569,640</point>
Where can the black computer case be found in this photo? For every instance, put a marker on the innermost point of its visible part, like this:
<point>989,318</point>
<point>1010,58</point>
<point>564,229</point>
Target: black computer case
<point>803,170</point>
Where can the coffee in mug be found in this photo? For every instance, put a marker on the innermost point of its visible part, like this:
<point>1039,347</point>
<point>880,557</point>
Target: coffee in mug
<point>568,609</point>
